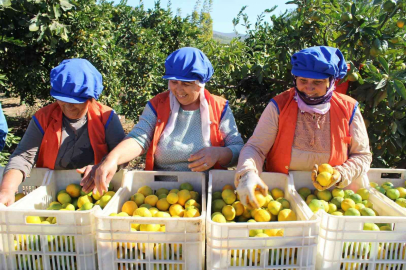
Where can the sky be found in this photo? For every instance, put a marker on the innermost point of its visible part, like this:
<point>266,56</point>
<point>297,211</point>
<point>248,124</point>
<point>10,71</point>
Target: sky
<point>223,11</point>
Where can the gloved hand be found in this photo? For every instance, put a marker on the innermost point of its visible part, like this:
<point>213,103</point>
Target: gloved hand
<point>246,187</point>
<point>336,177</point>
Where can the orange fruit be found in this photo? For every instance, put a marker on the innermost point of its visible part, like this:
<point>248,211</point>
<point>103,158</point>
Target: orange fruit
<point>230,187</point>
<point>73,190</point>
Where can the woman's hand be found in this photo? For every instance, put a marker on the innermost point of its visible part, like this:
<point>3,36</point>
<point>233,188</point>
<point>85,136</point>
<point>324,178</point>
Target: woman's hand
<point>204,159</point>
<point>104,174</point>
<point>87,182</point>
<point>335,178</point>
<point>7,197</point>
<point>246,187</point>
<point>99,176</point>
<point>9,186</point>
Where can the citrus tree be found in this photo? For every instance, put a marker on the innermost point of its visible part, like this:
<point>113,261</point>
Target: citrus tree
<point>33,34</point>
<point>129,45</point>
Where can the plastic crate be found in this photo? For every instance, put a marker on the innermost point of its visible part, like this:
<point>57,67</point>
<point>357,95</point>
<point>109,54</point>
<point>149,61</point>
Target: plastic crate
<point>37,178</point>
<point>68,244</point>
<point>335,231</point>
<point>224,239</point>
<point>396,176</point>
<point>120,248</point>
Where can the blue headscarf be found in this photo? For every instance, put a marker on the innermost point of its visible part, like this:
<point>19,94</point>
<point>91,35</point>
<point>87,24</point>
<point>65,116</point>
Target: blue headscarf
<point>188,64</point>
<point>319,63</point>
<point>75,81</point>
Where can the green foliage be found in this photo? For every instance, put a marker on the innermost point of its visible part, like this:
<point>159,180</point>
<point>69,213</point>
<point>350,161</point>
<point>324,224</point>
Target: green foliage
<point>371,38</point>
<point>3,79</point>
<point>10,141</point>
<point>32,41</point>
<point>129,45</point>
<point>206,22</point>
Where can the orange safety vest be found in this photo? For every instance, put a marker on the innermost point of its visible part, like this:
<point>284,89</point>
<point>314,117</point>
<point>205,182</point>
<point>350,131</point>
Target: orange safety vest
<point>161,107</point>
<point>49,121</point>
<point>342,111</point>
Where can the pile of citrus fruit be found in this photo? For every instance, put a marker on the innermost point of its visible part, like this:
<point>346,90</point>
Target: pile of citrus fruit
<point>341,202</point>
<point>325,174</point>
<point>73,198</point>
<point>227,208</point>
<point>175,203</point>
<point>397,194</point>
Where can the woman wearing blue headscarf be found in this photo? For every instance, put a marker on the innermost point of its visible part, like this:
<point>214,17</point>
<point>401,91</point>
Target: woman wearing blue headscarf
<point>71,133</point>
<point>307,125</point>
<point>183,129</point>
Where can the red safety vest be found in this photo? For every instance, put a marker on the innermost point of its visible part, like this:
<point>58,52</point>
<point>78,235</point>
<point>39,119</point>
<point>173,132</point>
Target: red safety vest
<point>342,111</point>
<point>161,107</point>
<point>49,121</point>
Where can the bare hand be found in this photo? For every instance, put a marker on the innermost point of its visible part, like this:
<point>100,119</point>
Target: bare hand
<point>7,197</point>
<point>203,159</point>
<point>104,174</point>
<point>87,181</point>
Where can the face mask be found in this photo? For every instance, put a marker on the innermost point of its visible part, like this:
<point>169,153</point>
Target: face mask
<point>316,100</point>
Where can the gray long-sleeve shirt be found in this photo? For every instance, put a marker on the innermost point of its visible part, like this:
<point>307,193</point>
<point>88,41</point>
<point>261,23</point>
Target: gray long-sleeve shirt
<point>75,151</point>
<point>172,153</point>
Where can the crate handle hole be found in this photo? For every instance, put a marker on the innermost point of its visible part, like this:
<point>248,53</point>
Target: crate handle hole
<point>383,227</point>
<point>391,175</point>
<point>40,220</point>
<point>166,178</point>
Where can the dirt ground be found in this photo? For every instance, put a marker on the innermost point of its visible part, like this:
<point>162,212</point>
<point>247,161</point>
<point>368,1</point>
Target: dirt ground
<point>19,115</point>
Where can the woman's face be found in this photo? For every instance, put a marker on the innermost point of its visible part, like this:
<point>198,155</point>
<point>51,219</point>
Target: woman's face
<point>187,93</point>
<point>312,87</point>
<point>73,111</point>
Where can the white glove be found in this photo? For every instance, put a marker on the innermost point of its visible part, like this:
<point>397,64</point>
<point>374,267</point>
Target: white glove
<point>246,187</point>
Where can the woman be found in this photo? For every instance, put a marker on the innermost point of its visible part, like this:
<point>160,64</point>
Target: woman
<point>183,129</point>
<point>308,124</point>
<point>71,133</point>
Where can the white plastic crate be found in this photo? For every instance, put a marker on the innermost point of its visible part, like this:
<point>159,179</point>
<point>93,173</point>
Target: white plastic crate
<point>224,239</point>
<point>335,231</point>
<point>37,177</point>
<point>396,176</point>
<point>120,248</point>
<point>68,244</point>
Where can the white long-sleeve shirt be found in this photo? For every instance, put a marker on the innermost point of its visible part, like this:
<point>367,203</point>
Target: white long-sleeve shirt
<point>311,144</point>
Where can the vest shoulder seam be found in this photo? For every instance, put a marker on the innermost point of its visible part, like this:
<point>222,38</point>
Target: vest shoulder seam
<point>353,113</point>
<point>276,105</point>
<point>38,124</point>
